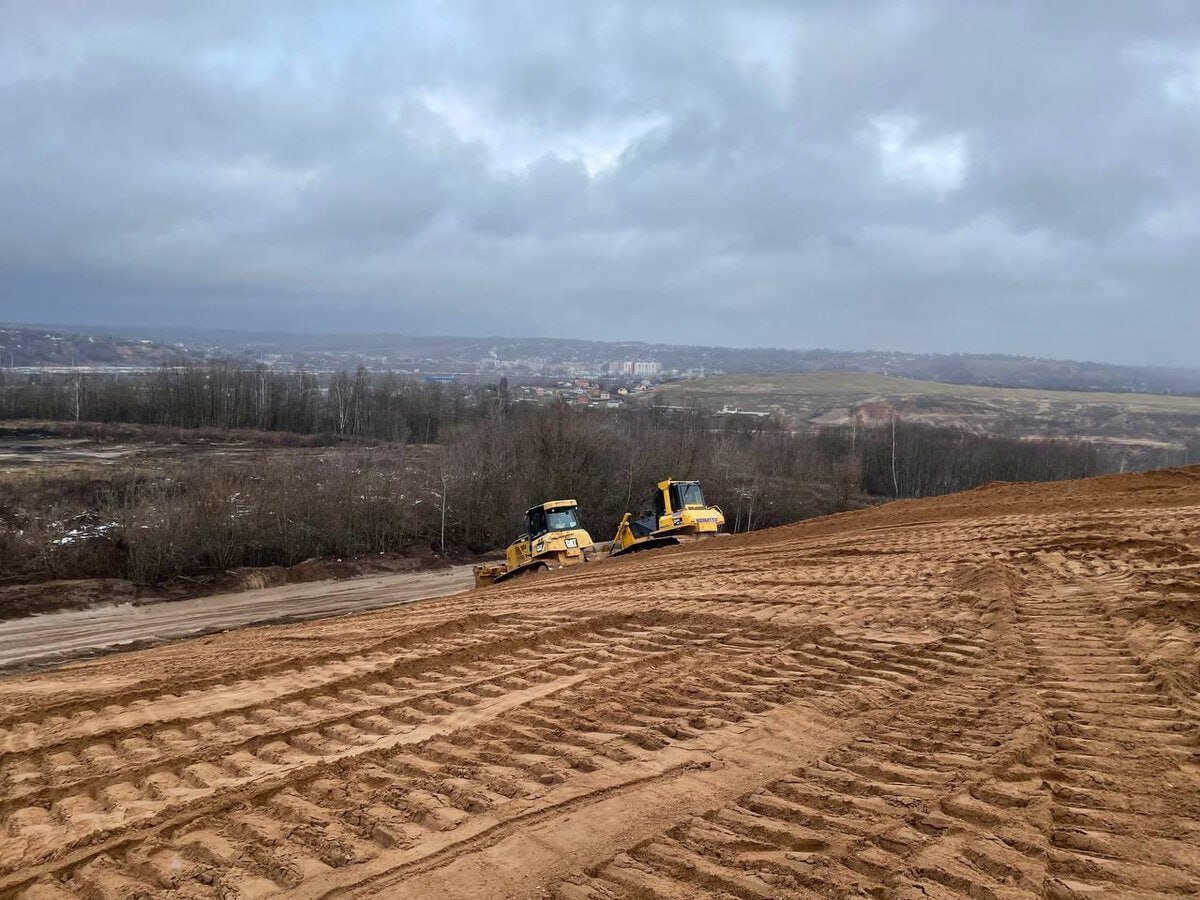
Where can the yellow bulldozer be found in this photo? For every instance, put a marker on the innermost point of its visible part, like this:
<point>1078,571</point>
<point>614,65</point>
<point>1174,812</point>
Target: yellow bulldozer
<point>552,539</point>
<point>678,514</point>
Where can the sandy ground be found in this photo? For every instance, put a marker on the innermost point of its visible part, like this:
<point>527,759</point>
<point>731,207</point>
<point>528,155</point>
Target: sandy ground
<point>990,695</point>
<point>48,639</point>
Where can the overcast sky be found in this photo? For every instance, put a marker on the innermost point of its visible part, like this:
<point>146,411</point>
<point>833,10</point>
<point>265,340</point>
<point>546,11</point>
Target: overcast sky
<point>1011,176</point>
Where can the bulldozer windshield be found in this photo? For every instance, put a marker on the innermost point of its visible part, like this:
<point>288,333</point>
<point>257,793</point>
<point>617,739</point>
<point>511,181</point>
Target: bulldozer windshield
<point>543,520</point>
<point>561,520</point>
<point>686,493</point>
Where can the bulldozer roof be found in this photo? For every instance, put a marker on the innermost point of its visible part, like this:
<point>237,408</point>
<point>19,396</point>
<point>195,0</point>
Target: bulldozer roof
<point>552,504</point>
<point>668,481</point>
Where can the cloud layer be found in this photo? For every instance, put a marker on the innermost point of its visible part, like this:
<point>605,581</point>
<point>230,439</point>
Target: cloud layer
<point>1018,177</point>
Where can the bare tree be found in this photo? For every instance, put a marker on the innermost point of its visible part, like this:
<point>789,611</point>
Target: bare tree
<point>895,479</point>
<point>446,472</point>
<point>75,395</point>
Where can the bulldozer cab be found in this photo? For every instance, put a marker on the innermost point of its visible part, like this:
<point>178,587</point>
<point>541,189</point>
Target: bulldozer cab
<point>561,515</point>
<point>686,493</point>
<point>673,496</point>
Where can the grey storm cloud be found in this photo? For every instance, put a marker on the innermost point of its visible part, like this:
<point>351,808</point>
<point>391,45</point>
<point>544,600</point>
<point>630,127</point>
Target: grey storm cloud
<point>1012,177</point>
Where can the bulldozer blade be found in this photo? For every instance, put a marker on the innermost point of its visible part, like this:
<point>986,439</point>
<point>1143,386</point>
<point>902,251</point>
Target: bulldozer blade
<point>652,543</point>
<point>529,568</point>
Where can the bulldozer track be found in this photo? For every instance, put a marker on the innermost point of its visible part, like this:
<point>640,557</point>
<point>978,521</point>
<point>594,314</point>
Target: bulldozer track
<point>528,726</point>
<point>880,815</point>
<point>1117,737</point>
<point>927,701</point>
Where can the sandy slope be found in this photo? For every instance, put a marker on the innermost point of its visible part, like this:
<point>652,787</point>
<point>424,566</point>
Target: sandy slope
<point>990,695</point>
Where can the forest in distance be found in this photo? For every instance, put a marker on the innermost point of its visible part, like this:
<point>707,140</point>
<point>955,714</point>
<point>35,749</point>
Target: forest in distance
<point>368,464</point>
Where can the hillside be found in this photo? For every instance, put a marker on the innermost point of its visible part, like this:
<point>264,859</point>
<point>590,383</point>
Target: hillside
<point>1152,422</point>
<point>517,354</point>
<point>990,694</point>
<point>27,347</point>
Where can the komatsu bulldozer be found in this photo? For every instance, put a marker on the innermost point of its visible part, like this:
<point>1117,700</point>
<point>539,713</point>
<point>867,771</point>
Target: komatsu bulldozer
<point>552,539</point>
<point>678,514</point>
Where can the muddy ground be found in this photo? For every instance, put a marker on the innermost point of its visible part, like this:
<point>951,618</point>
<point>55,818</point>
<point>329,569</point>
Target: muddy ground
<point>992,694</point>
<point>74,594</point>
<point>39,641</point>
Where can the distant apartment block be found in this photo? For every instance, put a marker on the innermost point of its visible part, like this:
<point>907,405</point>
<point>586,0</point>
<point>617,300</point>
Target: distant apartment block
<point>634,367</point>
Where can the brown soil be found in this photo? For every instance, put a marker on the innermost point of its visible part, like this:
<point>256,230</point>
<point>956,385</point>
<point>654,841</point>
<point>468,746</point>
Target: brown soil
<point>36,642</point>
<point>990,695</point>
<point>19,600</point>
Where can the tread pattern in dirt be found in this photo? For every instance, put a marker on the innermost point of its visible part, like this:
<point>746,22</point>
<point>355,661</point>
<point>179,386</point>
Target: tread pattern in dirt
<point>338,794</point>
<point>1118,739</point>
<point>922,800</point>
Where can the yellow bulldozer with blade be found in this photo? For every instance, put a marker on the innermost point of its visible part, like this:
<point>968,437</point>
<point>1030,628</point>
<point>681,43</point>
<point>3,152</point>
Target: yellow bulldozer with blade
<point>678,514</point>
<point>552,539</point>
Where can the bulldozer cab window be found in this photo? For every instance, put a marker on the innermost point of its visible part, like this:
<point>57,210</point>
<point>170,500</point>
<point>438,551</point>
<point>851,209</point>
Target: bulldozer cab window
<point>536,521</point>
<point>540,521</point>
<point>684,494</point>
<point>561,520</point>
<point>660,504</point>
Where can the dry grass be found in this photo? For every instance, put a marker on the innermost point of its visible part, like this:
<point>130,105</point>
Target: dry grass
<point>847,386</point>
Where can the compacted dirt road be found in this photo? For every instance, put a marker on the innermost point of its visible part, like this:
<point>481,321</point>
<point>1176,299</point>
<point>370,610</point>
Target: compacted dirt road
<point>54,637</point>
<point>990,695</point>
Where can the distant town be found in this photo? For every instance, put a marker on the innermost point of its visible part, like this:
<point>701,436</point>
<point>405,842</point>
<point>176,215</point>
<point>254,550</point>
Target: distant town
<point>560,367</point>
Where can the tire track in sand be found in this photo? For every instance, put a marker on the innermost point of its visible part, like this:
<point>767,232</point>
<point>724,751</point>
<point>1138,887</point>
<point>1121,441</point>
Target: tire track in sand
<point>912,806</point>
<point>1118,742</point>
<point>341,796</point>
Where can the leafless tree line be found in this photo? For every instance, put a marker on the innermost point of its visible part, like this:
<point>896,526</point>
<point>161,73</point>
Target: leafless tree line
<point>203,515</point>
<point>759,473</point>
<point>227,395</point>
<point>283,505</point>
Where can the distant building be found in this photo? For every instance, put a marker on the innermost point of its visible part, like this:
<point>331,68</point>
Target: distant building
<point>728,410</point>
<point>634,367</point>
